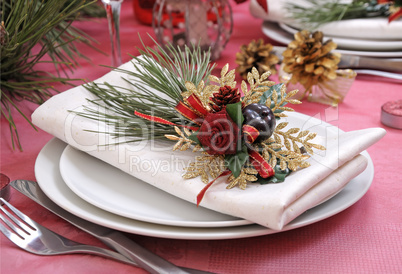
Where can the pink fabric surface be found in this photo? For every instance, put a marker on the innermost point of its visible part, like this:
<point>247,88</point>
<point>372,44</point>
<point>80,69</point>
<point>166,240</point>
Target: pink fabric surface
<point>365,238</point>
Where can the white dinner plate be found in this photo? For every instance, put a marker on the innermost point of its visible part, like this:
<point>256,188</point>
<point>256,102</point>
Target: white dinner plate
<point>355,44</point>
<point>49,179</point>
<point>275,32</point>
<point>115,191</point>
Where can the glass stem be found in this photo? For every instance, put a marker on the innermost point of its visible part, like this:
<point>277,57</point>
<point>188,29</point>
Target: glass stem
<point>113,16</point>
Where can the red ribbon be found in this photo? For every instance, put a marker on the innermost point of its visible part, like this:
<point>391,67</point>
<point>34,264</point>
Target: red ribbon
<point>194,110</point>
<point>161,120</point>
<point>251,133</point>
<point>202,192</point>
<point>259,163</point>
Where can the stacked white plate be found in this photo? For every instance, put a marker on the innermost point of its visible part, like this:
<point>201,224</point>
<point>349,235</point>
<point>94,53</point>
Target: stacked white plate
<point>352,36</point>
<point>98,192</point>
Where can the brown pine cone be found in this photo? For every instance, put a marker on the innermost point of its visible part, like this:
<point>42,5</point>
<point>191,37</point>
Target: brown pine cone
<point>226,95</point>
<point>309,60</point>
<point>258,55</point>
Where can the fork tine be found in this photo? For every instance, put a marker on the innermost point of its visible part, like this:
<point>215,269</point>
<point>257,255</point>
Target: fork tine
<point>20,232</point>
<point>26,220</point>
<point>15,238</point>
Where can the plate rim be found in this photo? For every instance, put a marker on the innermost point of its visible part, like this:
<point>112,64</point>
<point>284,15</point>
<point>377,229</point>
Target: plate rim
<point>344,42</point>
<point>281,37</point>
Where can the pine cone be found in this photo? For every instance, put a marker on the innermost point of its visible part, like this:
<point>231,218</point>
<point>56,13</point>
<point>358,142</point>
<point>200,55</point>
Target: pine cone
<point>309,60</point>
<point>226,95</point>
<point>258,55</point>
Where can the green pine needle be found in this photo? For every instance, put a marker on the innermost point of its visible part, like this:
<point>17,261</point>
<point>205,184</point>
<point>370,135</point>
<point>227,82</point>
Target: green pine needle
<point>155,89</point>
<point>318,12</point>
<point>30,30</point>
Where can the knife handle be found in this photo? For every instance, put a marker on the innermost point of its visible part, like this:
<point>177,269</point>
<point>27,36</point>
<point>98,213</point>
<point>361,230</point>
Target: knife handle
<point>144,258</point>
<point>382,64</point>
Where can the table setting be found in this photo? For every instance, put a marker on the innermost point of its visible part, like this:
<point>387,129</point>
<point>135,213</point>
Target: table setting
<point>123,163</point>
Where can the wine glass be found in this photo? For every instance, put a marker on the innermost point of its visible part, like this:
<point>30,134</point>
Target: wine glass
<point>113,16</point>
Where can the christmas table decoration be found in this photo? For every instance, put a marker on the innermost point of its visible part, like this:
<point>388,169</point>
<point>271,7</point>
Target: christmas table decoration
<point>310,65</point>
<point>222,138</point>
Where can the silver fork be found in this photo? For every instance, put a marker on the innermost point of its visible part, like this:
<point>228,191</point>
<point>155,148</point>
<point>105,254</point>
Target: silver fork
<point>37,239</point>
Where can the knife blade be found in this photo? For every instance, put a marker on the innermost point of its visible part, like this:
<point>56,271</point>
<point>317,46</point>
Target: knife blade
<point>354,61</point>
<point>113,238</point>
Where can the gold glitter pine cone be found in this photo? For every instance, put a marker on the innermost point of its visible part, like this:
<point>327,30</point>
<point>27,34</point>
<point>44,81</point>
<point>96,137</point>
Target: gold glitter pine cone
<point>226,95</point>
<point>258,55</point>
<point>309,60</point>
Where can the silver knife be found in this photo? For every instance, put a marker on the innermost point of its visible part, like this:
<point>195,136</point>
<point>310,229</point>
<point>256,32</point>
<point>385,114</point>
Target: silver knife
<point>113,238</point>
<point>354,61</point>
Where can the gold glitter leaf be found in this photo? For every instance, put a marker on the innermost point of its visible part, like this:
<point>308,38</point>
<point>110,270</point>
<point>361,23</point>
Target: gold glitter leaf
<point>292,93</point>
<point>303,133</point>
<point>178,145</point>
<point>265,75</point>
<point>246,175</point>
<point>244,87</point>
<point>282,125</point>
<point>190,87</point>
<point>184,142</point>
<point>277,138</point>
<point>224,70</point>
<point>280,114</point>
<point>268,102</point>
<point>201,86</point>
<point>250,79</point>
<point>287,144</point>
<point>283,165</point>
<point>255,73</point>
<point>293,131</point>
<point>311,136</point>
<point>172,137</point>
<point>317,146</point>
<point>214,79</point>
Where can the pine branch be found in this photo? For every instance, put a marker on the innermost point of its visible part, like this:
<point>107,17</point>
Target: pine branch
<point>45,25</point>
<point>315,13</point>
<point>155,87</point>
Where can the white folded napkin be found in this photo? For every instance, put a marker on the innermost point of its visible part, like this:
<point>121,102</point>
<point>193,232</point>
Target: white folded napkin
<point>364,28</point>
<point>272,205</point>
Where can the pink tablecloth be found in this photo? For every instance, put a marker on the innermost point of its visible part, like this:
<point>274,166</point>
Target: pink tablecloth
<point>365,238</point>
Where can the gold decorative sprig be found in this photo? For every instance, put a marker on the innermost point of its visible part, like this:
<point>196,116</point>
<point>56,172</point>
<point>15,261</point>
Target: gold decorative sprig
<point>279,107</point>
<point>227,77</point>
<point>290,141</point>
<point>247,175</point>
<point>205,166</point>
<point>284,157</point>
<point>183,142</point>
<point>258,85</point>
<point>284,146</point>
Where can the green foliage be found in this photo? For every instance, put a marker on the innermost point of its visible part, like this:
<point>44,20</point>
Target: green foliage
<point>235,112</point>
<point>235,162</point>
<point>318,12</point>
<point>30,30</point>
<point>157,72</point>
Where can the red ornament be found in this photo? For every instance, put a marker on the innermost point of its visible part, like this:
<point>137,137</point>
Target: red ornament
<point>218,134</point>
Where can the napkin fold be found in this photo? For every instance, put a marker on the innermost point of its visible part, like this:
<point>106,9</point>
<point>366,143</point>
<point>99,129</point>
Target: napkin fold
<point>362,28</point>
<point>272,205</point>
